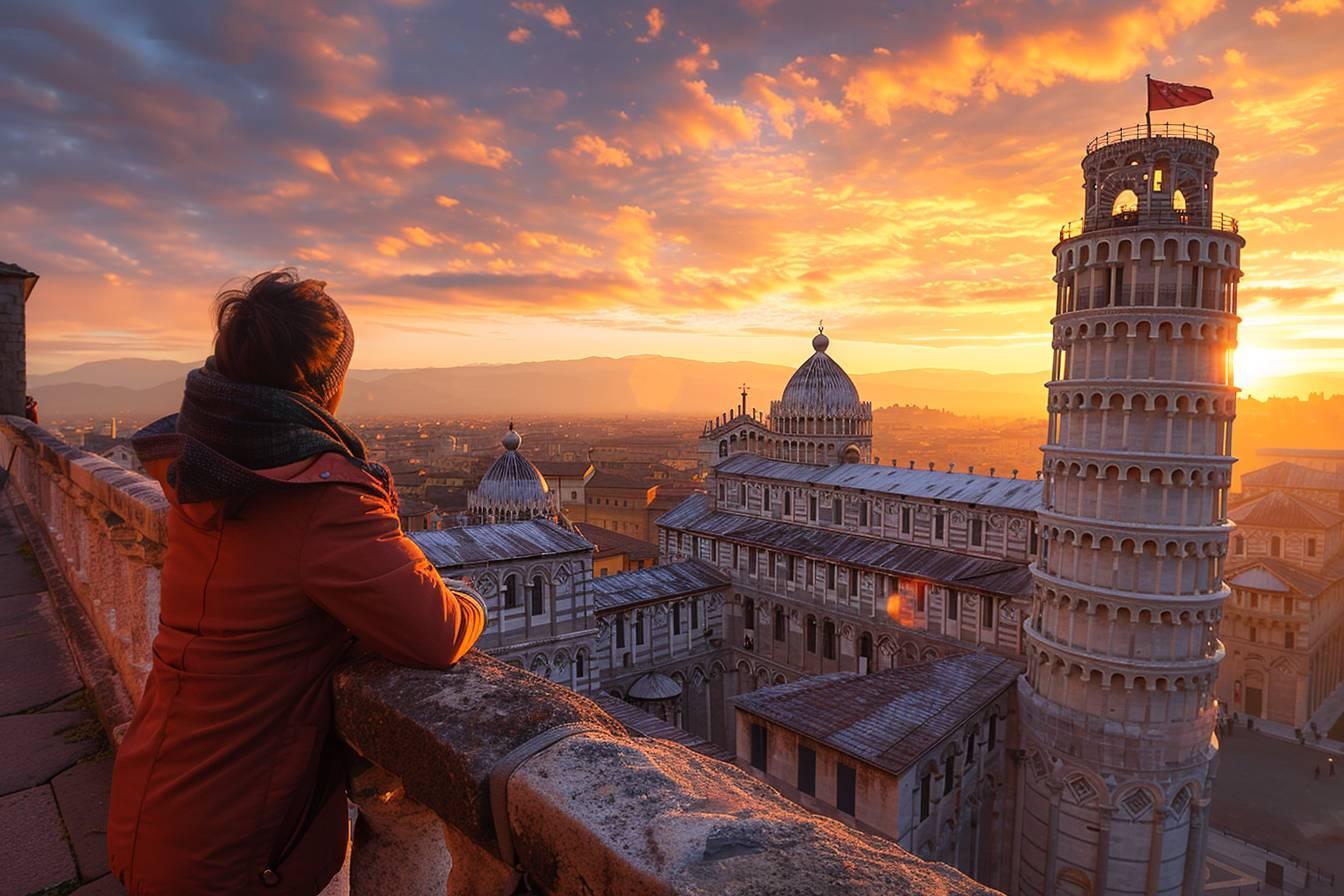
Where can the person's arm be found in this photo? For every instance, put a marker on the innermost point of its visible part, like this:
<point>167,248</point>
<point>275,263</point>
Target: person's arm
<point>357,565</point>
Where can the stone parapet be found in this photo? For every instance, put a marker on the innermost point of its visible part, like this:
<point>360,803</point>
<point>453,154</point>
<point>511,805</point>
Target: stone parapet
<point>105,530</point>
<point>601,811</point>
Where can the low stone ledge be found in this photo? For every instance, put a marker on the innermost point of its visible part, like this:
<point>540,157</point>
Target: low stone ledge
<point>136,500</point>
<point>604,812</point>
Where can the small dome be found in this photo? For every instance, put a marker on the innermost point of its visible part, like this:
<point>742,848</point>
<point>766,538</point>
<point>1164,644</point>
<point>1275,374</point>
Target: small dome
<point>653,686</point>
<point>513,488</point>
<point>820,385</point>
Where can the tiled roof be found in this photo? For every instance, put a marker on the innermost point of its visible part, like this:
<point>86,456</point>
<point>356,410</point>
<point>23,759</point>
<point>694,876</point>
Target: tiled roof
<point>984,491</point>
<point>12,270</point>
<point>465,545</point>
<point>1307,584</point>
<point>656,583</point>
<point>606,540</point>
<point>642,724</point>
<point>1280,510</point>
<point>887,719</point>
<point>1004,577</point>
<point>1286,474</point>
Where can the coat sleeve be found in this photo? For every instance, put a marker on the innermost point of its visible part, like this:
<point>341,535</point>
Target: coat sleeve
<point>359,566</point>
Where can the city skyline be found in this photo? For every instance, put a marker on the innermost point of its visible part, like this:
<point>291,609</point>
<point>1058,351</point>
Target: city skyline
<point>536,181</point>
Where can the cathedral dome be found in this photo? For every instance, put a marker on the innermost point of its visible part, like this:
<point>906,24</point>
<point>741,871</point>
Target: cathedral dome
<point>513,488</point>
<point>820,385</point>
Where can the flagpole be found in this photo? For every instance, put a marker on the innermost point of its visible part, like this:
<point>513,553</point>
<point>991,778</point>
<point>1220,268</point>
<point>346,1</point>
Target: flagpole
<point>1148,102</point>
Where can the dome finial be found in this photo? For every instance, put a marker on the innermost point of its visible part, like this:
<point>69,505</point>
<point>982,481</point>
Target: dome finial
<point>511,439</point>
<point>821,340</point>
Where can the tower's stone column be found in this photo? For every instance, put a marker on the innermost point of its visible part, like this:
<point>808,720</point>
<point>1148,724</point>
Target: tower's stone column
<point>15,285</point>
<point>1117,702</point>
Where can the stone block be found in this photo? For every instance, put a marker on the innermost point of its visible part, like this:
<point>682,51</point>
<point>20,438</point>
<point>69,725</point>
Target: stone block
<point>82,794</point>
<point>36,856</point>
<point>35,664</point>
<point>37,746</point>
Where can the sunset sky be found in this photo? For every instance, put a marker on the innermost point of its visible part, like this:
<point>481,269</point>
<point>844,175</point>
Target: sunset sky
<point>493,181</point>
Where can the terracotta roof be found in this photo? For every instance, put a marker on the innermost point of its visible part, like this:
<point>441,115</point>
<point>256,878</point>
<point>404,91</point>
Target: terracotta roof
<point>984,491</point>
<point>1280,510</point>
<point>887,719</point>
<point>465,545</point>
<point>1286,474</point>
<point>413,506</point>
<point>607,541</point>
<point>1004,577</point>
<point>684,577</point>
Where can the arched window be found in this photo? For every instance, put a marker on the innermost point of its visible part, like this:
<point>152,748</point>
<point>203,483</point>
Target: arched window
<point>1178,201</point>
<point>580,662</point>
<point>538,595</point>
<point>1125,203</point>
<point>510,591</point>
<point>788,502</point>
<point>723,448</point>
<point>780,628</point>
<point>1275,546</point>
<point>811,631</point>
<point>748,614</point>
<point>1240,544</point>
<point>828,640</point>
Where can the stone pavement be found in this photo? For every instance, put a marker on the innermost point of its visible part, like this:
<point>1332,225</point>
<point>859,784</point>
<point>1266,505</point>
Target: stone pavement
<point>55,767</point>
<point>1267,792</point>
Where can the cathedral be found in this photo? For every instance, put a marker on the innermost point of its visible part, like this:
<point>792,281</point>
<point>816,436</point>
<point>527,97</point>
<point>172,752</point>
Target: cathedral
<point>1014,676</point>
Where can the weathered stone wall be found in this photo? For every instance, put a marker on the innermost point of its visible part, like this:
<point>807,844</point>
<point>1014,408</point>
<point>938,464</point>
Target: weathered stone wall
<point>105,530</point>
<point>598,812</point>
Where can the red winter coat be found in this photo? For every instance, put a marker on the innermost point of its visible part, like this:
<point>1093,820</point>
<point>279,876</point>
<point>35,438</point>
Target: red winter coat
<point>229,780</point>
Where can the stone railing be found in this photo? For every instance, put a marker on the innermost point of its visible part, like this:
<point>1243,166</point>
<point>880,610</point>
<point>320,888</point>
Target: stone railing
<point>600,811</point>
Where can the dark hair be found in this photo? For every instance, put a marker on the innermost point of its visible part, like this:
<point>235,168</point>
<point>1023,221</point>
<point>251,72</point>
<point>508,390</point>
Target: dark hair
<point>277,330</point>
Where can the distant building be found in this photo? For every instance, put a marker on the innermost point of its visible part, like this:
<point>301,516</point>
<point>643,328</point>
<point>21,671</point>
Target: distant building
<point>616,553</point>
<point>568,478</point>
<point>1329,459</point>
<point>124,456</point>
<point>620,504</point>
<point>1283,627</point>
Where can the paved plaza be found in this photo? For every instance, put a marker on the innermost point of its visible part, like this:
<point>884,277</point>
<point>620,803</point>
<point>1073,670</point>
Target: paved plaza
<point>1267,791</point>
<point>55,768</point>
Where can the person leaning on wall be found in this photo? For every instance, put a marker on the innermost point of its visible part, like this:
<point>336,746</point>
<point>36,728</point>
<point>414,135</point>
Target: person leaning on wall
<point>284,549</point>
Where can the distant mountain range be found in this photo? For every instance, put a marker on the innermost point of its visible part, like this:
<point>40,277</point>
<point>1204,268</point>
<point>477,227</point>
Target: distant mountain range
<point>638,384</point>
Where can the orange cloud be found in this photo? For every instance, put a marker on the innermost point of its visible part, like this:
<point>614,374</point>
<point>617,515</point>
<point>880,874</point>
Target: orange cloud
<point>446,201</point>
<point>556,16</point>
<point>694,121</point>
<point>520,35</point>
<point>760,88</point>
<point>692,64</point>
<point>600,152</point>
<point>313,160</point>
<point>968,65</point>
<point>655,21</point>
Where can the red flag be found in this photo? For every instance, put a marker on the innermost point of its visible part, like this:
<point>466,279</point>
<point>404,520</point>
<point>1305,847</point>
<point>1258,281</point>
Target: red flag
<point>1170,95</point>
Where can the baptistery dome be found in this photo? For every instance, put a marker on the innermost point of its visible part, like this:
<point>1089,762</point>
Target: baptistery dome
<point>512,489</point>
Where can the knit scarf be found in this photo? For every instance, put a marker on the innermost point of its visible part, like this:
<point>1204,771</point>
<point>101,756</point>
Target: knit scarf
<point>226,430</point>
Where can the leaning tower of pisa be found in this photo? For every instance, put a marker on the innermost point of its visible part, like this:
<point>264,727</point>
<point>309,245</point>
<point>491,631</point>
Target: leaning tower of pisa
<point>1117,702</point>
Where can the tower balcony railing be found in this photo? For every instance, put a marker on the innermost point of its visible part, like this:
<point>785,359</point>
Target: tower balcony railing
<point>1179,130</point>
<point>595,808</point>
<point>1164,219</point>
